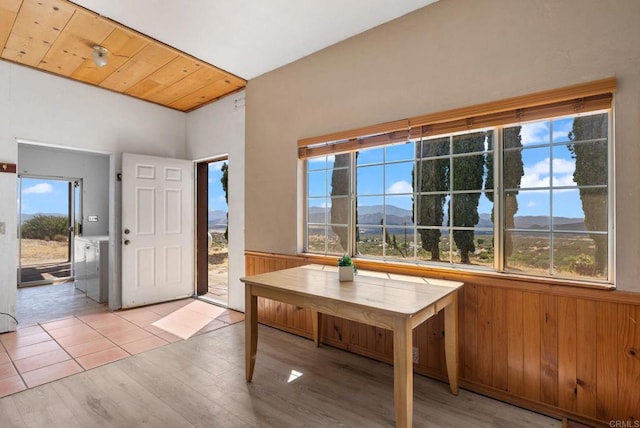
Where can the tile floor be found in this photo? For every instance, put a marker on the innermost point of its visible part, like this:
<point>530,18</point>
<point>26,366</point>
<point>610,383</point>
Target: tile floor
<point>48,351</point>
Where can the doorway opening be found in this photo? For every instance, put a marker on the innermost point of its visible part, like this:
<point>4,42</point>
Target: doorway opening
<point>212,230</point>
<point>48,210</point>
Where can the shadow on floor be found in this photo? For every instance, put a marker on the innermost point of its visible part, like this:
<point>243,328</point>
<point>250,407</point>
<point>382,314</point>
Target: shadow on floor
<point>48,272</point>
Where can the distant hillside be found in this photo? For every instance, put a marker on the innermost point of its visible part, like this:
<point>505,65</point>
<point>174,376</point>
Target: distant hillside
<point>542,222</point>
<point>217,219</point>
<point>399,216</point>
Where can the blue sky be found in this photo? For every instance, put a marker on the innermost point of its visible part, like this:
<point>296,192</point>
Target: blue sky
<point>216,194</point>
<point>537,173</point>
<point>45,196</point>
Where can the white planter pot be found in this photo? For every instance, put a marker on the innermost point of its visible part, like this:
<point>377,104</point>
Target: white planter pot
<point>345,273</point>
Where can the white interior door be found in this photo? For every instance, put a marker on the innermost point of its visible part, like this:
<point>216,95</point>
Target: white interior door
<point>157,229</point>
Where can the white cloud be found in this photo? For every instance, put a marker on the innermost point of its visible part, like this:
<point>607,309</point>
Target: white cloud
<point>537,175</point>
<point>38,189</point>
<point>401,186</point>
<point>535,133</point>
<point>330,159</point>
<point>324,204</point>
<point>561,133</point>
<point>532,204</point>
<point>564,166</point>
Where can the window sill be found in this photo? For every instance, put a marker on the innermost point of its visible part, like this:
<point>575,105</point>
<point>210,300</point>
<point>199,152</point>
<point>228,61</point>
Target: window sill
<point>480,277</point>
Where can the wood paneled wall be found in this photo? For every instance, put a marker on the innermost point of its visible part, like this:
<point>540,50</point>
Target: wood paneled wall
<point>560,350</point>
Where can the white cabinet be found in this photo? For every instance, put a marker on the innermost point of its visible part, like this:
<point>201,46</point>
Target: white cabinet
<point>91,264</point>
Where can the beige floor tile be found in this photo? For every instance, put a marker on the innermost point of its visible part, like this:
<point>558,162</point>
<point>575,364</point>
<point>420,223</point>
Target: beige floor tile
<point>206,309</point>
<point>11,385</point>
<point>143,345</point>
<point>97,319</point>
<point>70,330</point>
<point>91,347</point>
<point>7,370</point>
<point>12,336</point>
<point>25,331</point>
<point>154,330</point>
<point>182,302</point>
<point>164,308</point>
<point>31,350</point>
<point>122,337</point>
<point>76,339</point>
<point>65,322</point>
<point>141,318</point>
<point>102,357</point>
<point>183,323</point>
<point>41,360</point>
<point>51,373</point>
<point>18,341</point>
<point>4,357</point>
<point>116,327</point>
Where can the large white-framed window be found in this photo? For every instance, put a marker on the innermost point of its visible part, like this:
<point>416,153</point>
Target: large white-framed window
<point>531,198</point>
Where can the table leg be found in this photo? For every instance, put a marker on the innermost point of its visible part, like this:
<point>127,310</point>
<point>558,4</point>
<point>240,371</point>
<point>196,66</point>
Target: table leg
<point>451,342</point>
<point>251,330</point>
<point>403,372</point>
<point>317,326</point>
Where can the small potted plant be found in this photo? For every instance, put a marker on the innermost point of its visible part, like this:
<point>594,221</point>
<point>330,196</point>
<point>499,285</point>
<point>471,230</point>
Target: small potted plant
<point>346,268</point>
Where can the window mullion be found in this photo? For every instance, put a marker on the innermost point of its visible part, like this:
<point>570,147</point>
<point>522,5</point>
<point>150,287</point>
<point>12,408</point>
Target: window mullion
<point>551,207</point>
<point>353,218</point>
<point>499,195</point>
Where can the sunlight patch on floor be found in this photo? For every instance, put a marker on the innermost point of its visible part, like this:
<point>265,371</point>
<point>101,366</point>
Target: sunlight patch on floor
<point>188,320</point>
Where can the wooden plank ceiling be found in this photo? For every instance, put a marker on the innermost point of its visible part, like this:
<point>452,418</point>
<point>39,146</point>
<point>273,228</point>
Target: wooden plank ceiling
<point>58,36</point>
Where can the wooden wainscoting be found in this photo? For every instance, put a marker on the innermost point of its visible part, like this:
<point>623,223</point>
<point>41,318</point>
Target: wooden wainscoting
<point>560,350</point>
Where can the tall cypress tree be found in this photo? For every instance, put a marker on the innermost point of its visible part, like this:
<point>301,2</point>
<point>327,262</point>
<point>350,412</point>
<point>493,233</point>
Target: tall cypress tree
<point>433,177</point>
<point>591,169</point>
<point>468,174</point>
<point>339,204</point>
<point>513,172</point>
<point>225,186</point>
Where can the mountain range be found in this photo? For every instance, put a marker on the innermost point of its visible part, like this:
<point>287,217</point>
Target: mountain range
<point>396,216</point>
<point>217,219</point>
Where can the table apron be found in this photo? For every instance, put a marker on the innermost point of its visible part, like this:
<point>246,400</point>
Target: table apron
<point>346,310</point>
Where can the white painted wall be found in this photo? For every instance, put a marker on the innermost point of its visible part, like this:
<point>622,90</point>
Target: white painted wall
<point>8,249</point>
<point>43,108</point>
<point>218,129</point>
<point>91,168</point>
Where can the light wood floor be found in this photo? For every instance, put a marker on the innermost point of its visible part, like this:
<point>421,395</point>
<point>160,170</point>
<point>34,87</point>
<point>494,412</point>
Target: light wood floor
<point>200,382</point>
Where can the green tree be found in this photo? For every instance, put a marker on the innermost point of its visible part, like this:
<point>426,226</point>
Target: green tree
<point>512,176</point>
<point>339,204</point>
<point>433,177</point>
<point>45,227</point>
<point>591,170</point>
<point>224,180</point>
<point>468,174</point>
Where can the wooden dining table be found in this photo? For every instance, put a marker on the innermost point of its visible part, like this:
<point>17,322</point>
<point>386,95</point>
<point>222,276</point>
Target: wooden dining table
<point>394,302</point>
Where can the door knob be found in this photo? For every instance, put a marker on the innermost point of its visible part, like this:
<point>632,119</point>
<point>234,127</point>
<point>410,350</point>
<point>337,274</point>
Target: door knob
<point>127,242</point>
<point>126,231</point>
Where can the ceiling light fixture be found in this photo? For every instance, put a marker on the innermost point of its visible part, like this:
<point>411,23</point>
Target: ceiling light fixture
<point>99,56</point>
